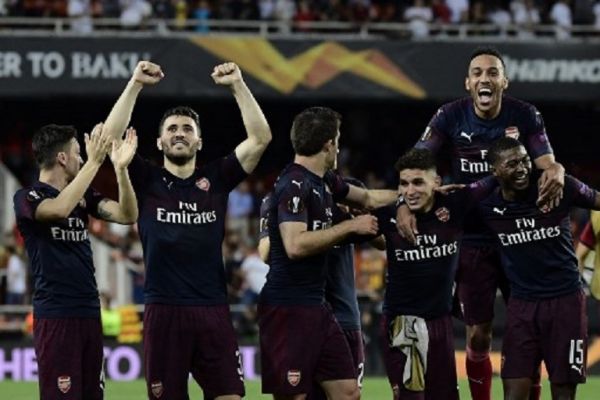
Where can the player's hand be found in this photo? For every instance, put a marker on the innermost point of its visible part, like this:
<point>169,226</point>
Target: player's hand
<point>97,144</point>
<point>364,224</point>
<point>227,74</point>
<point>550,187</point>
<point>122,154</point>
<point>406,223</point>
<point>147,73</point>
<point>447,189</point>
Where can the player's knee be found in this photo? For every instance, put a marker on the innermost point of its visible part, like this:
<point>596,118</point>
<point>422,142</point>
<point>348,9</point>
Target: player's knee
<point>480,337</point>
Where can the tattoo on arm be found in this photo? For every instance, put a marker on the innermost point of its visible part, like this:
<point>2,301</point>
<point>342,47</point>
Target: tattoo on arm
<point>103,213</point>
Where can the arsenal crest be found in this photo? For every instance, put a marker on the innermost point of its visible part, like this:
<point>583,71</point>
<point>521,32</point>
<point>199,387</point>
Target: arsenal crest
<point>203,184</point>
<point>157,388</point>
<point>442,214</point>
<point>293,377</point>
<point>512,132</point>
<point>295,205</point>
<point>64,383</point>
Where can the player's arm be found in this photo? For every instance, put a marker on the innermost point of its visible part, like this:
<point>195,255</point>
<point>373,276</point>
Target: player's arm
<point>552,181</point>
<point>126,210</point>
<point>259,133</point>
<point>96,145</point>
<point>264,246</point>
<point>299,242</point>
<point>145,73</point>
<point>370,199</point>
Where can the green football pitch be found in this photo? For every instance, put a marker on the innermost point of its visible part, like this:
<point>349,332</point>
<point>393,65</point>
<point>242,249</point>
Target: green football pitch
<point>374,389</point>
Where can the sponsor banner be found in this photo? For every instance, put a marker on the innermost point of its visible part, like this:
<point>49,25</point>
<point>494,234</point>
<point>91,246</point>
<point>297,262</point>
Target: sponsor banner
<point>355,70</point>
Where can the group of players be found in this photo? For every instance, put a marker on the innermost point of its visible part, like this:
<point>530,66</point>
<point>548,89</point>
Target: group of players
<point>514,218</point>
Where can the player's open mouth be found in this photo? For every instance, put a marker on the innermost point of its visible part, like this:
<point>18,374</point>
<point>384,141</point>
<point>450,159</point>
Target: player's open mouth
<point>521,179</point>
<point>412,202</point>
<point>179,141</point>
<point>485,96</point>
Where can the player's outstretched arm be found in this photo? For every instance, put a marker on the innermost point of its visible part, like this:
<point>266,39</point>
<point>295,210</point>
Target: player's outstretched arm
<point>96,145</point>
<point>145,73</point>
<point>126,210</point>
<point>370,198</point>
<point>300,242</point>
<point>259,133</point>
<point>264,247</point>
<point>552,181</point>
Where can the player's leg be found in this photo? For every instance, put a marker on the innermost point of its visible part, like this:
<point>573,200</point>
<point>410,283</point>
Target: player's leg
<point>516,389</point>
<point>564,323</point>
<point>356,342</point>
<point>93,360</point>
<point>167,351</point>
<point>58,348</point>
<point>441,381</point>
<point>521,349</point>
<point>336,369</point>
<point>565,391</point>
<point>217,362</point>
<point>290,342</point>
<point>394,361</point>
<point>477,282</point>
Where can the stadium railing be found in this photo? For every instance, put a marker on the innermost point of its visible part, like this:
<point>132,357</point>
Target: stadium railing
<point>28,26</point>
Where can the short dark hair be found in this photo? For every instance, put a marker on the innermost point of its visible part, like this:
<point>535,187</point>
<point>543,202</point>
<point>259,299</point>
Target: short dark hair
<point>312,128</point>
<point>48,141</point>
<point>179,110</point>
<point>489,51</point>
<point>416,159</point>
<point>500,145</point>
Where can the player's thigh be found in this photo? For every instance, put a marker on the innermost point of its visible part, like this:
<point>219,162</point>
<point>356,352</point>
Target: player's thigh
<point>217,362</point>
<point>477,280</point>
<point>564,343</point>
<point>168,349</point>
<point>59,346</point>
<point>335,361</point>
<point>356,343</point>
<point>521,345</point>
<point>93,359</point>
<point>291,339</point>
<point>342,389</point>
<point>516,389</point>
<point>440,378</point>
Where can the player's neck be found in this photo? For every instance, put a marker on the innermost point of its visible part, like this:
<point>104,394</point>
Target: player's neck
<point>489,114</point>
<point>315,164</point>
<point>510,194</point>
<point>181,171</point>
<point>54,178</point>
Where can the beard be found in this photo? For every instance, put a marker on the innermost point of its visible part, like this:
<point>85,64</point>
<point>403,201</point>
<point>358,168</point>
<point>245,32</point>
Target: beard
<point>179,160</point>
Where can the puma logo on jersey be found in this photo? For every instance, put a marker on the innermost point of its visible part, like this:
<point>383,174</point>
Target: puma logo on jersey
<point>499,211</point>
<point>317,193</point>
<point>299,184</point>
<point>467,136</point>
<point>576,368</point>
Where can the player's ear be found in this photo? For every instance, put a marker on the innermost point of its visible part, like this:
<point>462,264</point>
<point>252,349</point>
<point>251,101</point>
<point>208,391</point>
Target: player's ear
<point>467,84</point>
<point>505,83</point>
<point>438,180</point>
<point>158,144</point>
<point>199,144</point>
<point>61,158</point>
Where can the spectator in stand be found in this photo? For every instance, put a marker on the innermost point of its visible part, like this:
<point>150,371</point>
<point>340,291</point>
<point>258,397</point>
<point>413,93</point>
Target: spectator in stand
<point>596,10</point>
<point>360,10</point>
<point>266,9</point>
<point>304,14</point>
<point>525,15</point>
<point>80,12</point>
<point>499,16</point>
<point>459,11</point>
<point>441,12</point>
<point>239,208</point>
<point>16,273</point>
<point>418,17</point>
<point>202,14</point>
<point>561,16</point>
<point>284,12</point>
<point>134,12</point>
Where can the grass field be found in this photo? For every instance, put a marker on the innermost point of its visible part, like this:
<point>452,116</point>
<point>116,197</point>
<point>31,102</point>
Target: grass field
<point>374,389</point>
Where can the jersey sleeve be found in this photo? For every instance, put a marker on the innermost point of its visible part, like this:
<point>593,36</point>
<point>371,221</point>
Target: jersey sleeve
<point>264,217</point>
<point>92,199</point>
<point>231,172</point>
<point>579,194</point>
<point>26,202</point>
<point>339,188</point>
<point>139,173</point>
<point>293,202</point>
<point>435,134</point>
<point>475,192</point>
<point>535,137</point>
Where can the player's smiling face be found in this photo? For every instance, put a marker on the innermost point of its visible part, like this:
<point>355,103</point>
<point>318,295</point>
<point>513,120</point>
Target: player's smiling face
<point>486,83</point>
<point>513,168</point>
<point>416,185</point>
<point>179,139</point>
